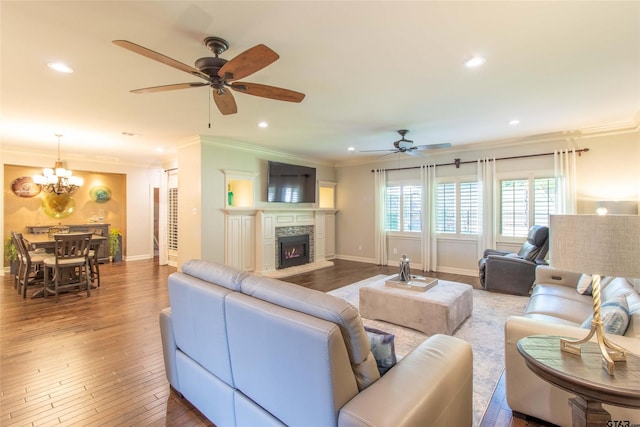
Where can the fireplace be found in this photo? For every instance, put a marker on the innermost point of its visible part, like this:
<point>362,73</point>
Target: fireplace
<point>293,250</point>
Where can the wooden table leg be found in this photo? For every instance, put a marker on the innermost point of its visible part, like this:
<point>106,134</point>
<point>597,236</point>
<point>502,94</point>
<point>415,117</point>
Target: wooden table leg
<point>588,413</point>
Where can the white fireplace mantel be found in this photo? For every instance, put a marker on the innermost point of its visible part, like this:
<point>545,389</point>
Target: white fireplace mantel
<point>250,234</point>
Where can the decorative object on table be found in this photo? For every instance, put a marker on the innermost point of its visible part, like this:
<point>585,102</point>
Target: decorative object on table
<point>600,245</point>
<point>100,193</point>
<point>58,229</point>
<point>58,205</point>
<point>417,283</point>
<point>405,269</point>
<point>58,180</point>
<point>25,187</point>
<point>115,244</point>
<point>229,195</point>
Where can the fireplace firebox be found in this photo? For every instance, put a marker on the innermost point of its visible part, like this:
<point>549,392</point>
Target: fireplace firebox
<point>293,250</point>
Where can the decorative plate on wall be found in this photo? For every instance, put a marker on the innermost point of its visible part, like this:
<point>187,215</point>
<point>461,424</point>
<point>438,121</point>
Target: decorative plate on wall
<point>100,193</point>
<point>25,187</point>
<point>58,206</point>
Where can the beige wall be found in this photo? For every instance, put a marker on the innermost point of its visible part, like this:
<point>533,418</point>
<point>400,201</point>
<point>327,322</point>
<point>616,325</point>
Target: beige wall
<point>202,193</point>
<point>609,171</point>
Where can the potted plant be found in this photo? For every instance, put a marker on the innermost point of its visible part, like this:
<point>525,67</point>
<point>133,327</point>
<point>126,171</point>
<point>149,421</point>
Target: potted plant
<point>115,244</point>
<point>11,254</point>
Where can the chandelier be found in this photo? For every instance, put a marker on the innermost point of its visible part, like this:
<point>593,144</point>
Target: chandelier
<point>58,180</point>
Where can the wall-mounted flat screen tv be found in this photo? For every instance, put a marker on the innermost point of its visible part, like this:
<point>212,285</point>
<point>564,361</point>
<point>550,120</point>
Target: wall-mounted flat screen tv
<point>291,183</point>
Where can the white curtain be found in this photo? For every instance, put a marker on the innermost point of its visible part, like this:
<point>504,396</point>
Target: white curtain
<point>429,241</point>
<point>380,208</point>
<point>487,202</point>
<point>564,162</point>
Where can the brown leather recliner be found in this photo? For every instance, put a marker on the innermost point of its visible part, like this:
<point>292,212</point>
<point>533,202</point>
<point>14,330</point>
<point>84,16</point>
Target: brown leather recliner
<point>514,273</point>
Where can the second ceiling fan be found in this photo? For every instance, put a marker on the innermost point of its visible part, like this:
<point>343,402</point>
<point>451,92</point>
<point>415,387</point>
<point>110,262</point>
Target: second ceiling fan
<point>221,74</point>
<point>404,145</point>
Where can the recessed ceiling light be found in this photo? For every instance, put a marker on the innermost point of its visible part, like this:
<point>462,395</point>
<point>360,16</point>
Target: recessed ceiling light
<point>514,122</point>
<point>59,66</point>
<point>351,148</point>
<point>475,61</point>
<point>159,150</point>
<point>263,124</point>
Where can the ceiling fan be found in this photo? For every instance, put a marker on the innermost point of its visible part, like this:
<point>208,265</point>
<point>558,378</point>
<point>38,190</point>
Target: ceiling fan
<point>221,74</point>
<point>406,146</point>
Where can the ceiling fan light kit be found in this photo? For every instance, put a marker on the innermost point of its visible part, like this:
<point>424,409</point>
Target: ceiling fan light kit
<point>220,74</point>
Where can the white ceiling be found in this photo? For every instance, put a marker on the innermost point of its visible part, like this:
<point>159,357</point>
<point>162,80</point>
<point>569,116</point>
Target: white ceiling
<point>367,69</point>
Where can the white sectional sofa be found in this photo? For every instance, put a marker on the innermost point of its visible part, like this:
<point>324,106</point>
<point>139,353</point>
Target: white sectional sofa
<point>556,308</point>
<point>253,351</point>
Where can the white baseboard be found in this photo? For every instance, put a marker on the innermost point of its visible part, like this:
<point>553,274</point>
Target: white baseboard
<point>355,258</point>
<point>461,271</point>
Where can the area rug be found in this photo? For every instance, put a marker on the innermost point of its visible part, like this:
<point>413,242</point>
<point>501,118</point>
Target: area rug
<point>484,330</point>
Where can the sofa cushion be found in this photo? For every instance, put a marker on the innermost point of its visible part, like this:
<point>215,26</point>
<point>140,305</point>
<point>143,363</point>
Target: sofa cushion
<point>615,316</point>
<point>560,302</point>
<point>383,348</point>
<point>323,306</point>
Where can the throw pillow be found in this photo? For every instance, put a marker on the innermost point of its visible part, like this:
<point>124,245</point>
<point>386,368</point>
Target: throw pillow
<point>585,284</point>
<point>615,316</point>
<point>383,348</point>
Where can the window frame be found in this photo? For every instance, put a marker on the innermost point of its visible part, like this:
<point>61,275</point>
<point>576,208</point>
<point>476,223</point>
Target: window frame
<point>530,176</point>
<point>402,184</point>
<point>457,181</point>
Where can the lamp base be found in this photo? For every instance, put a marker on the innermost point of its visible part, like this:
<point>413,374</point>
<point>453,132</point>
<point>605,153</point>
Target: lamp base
<point>611,353</point>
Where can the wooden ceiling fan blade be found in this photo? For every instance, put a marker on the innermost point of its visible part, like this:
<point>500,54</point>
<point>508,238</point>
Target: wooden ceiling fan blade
<point>165,88</point>
<point>248,62</point>
<point>434,146</point>
<point>266,91</point>
<point>225,102</point>
<point>151,54</point>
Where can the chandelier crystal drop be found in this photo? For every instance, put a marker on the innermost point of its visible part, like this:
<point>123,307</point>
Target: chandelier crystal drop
<point>58,180</point>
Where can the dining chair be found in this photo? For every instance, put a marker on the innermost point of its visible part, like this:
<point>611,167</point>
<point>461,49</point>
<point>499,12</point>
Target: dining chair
<point>30,270</point>
<point>69,267</point>
<point>94,263</point>
<point>18,272</point>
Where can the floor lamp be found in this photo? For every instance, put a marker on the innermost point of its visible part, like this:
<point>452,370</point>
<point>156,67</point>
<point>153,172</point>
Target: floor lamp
<point>600,245</point>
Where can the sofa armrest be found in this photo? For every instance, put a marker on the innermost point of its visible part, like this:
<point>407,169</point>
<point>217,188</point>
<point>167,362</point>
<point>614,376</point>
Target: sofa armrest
<point>432,385</point>
<point>488,252</point>
<point>169,347</point>
<point>553,276</point>
<point>509,274</point>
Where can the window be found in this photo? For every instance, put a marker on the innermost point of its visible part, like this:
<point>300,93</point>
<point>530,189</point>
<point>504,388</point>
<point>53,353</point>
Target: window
<point>457,207</point>
<point>525,202</point>
<point>404,208</point>
<point>172,235</point>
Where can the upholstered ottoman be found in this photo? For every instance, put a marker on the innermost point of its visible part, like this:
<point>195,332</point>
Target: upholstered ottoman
<point>440,309</point>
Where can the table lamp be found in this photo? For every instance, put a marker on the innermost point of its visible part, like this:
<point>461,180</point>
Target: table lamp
<point>600,245</point>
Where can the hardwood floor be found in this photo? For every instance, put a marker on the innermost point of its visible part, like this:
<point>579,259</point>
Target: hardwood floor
<point>98,359</point>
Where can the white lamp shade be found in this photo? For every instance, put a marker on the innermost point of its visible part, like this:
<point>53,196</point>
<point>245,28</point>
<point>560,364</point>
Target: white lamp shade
<point>606,245</point>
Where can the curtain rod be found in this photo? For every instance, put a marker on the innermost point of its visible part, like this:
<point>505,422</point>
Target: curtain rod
<point>457,162</point>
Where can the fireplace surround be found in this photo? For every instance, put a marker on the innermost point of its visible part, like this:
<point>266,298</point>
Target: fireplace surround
<point>293,250</point>
<point>294,246</point>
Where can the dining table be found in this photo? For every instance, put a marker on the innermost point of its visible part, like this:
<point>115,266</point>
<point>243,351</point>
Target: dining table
<point>47,243</point>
